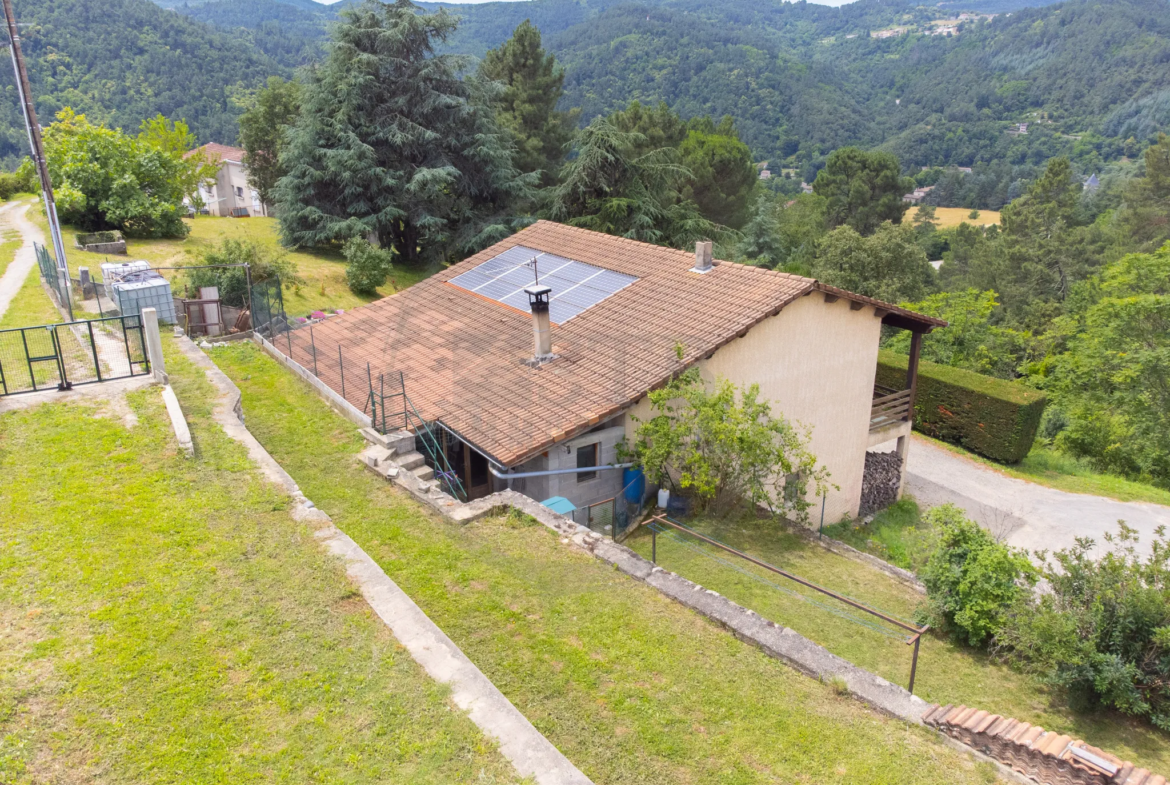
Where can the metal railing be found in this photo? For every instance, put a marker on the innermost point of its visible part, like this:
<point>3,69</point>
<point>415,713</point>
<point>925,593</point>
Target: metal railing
<point>661,523</point>
<point>889,407</point>
<point>60,356</point>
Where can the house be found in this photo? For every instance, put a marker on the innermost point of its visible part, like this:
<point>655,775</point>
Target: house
<point>1092,184</point>
<point>534,385</point>
<point>917,195</point>
<point>765,174</point>
<point>229,194</point>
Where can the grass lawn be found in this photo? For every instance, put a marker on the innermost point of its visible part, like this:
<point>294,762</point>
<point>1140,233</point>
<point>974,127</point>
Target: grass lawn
<point>164,620</point>
<point>947,672</point>
<point>950,217</point>
<point>324,273</point>
<point>1045,466</point>
<point>631,686</point>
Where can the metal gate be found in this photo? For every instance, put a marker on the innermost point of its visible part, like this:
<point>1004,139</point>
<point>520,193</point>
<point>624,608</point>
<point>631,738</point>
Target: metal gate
<point>59,356</point>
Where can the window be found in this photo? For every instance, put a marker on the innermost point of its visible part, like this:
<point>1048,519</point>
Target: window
<point>239,192</point>
<point>586,457</point>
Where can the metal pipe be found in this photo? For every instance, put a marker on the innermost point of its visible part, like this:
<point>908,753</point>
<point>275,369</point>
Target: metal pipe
<point>914,661</point>
<point>520,475</point>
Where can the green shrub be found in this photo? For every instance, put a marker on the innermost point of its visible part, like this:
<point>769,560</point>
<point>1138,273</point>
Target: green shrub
<point>367,266</point>
<point>263,262</point>
<point>992,417</point>
<point>971,580</point>
<point>1103,631</point>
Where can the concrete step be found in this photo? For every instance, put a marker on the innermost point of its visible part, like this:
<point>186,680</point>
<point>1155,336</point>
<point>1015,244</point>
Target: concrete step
<point>410,460</point>
<point>424,472</point>
<point>395,441</point>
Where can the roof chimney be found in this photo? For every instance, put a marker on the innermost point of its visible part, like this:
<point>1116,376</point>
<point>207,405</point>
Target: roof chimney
<point>538,295</point>
<point>703,263</point>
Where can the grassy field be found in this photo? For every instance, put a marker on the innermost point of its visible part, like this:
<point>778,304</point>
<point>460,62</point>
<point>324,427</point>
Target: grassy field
<point>164,620</point>
<point>950,217</point>
<point>1045,466</point>
<point>324,273</point>
<point>947,672</point>
<point>632,687</point>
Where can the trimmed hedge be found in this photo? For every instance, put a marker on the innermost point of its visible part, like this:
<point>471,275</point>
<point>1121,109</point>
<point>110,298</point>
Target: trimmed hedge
<point>992,417</point>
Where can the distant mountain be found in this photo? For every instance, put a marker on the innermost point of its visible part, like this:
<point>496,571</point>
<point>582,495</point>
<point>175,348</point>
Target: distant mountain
<point>120,61</point>
<point>304,5</point>
<point>800,79</point>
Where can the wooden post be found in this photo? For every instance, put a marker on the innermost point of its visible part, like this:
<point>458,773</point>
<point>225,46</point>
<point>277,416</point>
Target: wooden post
<point>912,371</point>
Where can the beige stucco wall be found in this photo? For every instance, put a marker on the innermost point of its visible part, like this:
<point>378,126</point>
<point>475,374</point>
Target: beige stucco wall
<point>815,363</point>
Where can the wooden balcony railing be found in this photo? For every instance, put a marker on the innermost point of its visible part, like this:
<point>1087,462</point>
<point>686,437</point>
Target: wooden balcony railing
<point>889,407</point>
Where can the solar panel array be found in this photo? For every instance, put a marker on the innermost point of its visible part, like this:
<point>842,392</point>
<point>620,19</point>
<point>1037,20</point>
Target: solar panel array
<point>576,286</point>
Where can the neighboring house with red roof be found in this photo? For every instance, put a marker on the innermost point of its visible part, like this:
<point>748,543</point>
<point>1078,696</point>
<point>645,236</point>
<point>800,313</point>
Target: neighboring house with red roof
<point>553,388</point>
<point>229,194</point>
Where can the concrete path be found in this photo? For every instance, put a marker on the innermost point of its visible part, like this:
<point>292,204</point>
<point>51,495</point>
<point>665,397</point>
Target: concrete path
<point>14,214</point>
<point>1022,513</point>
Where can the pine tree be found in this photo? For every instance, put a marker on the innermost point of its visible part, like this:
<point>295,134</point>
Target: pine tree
<point>393,145</point>
<point>608,187</point>
<point>533,84</point>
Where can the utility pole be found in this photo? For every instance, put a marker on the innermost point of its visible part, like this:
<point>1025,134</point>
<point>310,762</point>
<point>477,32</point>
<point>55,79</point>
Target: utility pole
<point>37,148</point>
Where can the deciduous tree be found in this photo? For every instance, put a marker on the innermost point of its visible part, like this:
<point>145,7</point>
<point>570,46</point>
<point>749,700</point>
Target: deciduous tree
<point>106,179</point>
<point>262,133</point>
<point>888,265</point>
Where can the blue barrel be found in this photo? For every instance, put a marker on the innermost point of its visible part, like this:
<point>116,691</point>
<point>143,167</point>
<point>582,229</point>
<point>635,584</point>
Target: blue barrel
<point>634,481</point>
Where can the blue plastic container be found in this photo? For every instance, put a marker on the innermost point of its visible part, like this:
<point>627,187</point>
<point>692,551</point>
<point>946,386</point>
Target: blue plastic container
<point>634,481</point>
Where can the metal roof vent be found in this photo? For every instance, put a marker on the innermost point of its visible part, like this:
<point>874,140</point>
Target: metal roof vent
<point>703,260</point>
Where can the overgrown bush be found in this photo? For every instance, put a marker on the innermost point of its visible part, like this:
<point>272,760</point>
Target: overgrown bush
<point>366,266</point>
<point>23,180</point>
<point>1103,631</point>
<point>724,447</point>
<point>971,580</point>
<point>264,262</point>
<point>992,417</point>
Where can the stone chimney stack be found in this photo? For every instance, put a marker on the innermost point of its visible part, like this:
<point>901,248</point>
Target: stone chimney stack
<point>703,261</point>
<point>538,297</point>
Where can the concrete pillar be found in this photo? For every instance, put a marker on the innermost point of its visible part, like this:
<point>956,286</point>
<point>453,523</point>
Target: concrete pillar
<point>903,451</point>
<point>154,344</point>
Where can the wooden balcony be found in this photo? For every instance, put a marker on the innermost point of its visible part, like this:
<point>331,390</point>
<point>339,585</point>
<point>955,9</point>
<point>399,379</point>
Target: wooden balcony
<point>889,407</point>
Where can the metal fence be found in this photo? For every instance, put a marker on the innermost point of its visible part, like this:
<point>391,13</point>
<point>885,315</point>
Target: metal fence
<point>59,356</point>
<point>840,605</point>
<point>51,275</point>
<point>268,316</point>
<point>384,396</point>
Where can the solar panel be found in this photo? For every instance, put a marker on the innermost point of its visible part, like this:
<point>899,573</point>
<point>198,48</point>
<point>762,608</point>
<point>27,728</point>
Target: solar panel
<point>576,286</point>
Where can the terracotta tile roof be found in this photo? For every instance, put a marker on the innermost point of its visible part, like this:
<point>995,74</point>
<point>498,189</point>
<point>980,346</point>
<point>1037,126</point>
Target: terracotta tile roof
<point>461,354</point>
<point>220,152</point>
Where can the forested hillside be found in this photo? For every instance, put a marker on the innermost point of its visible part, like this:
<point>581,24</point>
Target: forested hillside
<point>802,79</point>
<point>799,79</point>
<point>121,61</point>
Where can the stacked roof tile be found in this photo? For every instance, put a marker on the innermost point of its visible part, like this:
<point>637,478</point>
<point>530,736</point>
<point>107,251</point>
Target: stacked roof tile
<point>1050,758</point>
